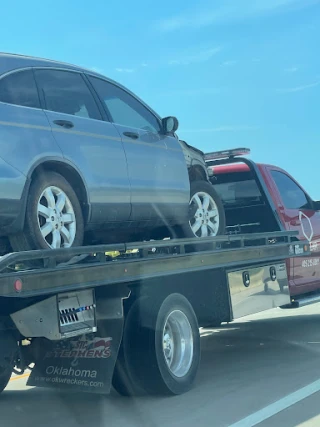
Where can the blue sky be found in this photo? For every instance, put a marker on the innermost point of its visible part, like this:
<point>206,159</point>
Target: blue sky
<point>234,72</point>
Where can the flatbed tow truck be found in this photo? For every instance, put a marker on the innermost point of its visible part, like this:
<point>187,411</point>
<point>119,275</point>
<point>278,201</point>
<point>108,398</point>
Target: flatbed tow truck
<point>132,321</point>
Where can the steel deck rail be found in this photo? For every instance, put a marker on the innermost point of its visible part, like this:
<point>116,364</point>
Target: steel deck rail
<point>90,267</point>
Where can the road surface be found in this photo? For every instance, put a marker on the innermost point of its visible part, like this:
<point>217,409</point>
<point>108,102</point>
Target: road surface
<point>263,370</point>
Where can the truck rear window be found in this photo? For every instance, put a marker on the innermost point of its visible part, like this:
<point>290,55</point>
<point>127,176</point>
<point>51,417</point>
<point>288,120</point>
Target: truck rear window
<point>238,189</point>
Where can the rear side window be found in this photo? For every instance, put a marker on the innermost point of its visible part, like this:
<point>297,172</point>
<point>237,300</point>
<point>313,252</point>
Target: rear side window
<point>293,197</point>
<point>19,88</point>
<point>123,108</point>
<point>66,92</point>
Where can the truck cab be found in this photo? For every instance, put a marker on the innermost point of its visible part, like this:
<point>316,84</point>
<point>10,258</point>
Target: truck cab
<point>261,197</point>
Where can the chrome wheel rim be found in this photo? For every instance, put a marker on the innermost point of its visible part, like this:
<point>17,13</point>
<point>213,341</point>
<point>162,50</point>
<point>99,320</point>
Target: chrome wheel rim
<point>177,341</point>
<point>56,218</point>
<point>205,220</point>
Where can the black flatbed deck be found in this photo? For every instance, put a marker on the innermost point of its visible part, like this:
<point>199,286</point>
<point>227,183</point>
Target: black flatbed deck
<point>91,266</point>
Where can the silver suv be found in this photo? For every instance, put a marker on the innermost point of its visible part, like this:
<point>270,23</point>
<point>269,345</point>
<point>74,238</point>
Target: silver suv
<point>83,160</point>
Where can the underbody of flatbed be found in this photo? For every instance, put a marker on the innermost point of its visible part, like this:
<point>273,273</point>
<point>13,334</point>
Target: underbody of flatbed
<point>93,320</point>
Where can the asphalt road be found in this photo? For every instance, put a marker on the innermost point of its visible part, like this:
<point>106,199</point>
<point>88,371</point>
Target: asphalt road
<point>263,370</point>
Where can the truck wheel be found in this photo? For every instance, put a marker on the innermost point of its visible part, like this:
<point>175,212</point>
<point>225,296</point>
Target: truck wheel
<point>5,375</point>
<point>160,351</point>
<point>206,212</point>
<point>53,216</point>
<point>8,357</point>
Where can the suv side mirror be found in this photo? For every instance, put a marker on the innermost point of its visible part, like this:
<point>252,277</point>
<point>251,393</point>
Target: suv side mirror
<point>170,124</point>
<point>316,206</point>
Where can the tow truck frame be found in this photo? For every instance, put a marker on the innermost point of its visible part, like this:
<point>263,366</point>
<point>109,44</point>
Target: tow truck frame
<point>78,321</point>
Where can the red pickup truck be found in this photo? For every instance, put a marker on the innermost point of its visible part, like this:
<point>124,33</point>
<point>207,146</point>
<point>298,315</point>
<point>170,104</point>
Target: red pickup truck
<point>259,197</point>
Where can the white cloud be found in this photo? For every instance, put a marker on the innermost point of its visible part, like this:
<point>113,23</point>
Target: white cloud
<point>222,129</point>
<point>191,57</point>
<point>193,92</point>
<point>292,69</point>
<point>229,63</point>
<point>229,11</point>
<point>125,70</point>
<point>299,88</point>
<point>96,69</point>
<point>182,57</point>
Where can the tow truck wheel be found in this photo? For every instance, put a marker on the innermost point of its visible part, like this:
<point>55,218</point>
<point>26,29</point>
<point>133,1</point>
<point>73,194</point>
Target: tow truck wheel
<point>8,356</point>
<point>5,375</point>
<point>160,351</point>
<point>206,212</point>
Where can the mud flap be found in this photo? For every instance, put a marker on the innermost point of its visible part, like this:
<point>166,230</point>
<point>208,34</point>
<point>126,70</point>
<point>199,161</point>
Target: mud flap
<point>84,363</point>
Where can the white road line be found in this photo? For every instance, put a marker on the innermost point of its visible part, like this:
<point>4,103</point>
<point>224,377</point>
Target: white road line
<point>278,406</point>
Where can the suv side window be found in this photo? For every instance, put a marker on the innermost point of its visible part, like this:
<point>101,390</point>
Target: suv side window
<point>123,108</point>
<point>19,88</point>
<point>66,92</point>
<point>292,195</point>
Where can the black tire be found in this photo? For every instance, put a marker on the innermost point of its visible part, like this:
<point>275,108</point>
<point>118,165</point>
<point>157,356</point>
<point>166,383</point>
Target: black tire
<point>204,187</point>
<point>31,237</point>
<point>5,375</point>
<point>141,365</point>
<point>9,352</point>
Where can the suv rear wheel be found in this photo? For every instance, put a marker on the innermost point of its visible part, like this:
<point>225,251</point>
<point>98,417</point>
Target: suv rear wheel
<point>53,216</point>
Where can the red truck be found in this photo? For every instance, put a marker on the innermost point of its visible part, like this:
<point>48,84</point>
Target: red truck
<point>261,197</point>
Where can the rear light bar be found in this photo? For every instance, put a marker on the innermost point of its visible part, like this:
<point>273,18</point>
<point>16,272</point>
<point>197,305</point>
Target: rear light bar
<point>225,154</point>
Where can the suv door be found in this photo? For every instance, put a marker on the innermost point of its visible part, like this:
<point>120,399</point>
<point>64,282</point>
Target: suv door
<point>25,137</point>
<point>88,143</point>
<point>157,169</point>
<point>296,209</point>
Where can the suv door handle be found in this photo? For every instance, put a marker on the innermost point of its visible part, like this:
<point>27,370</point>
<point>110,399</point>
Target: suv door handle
<point>132,135</point>
<point>64,123</point>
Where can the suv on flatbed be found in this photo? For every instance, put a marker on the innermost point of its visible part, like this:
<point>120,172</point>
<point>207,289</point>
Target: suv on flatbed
<point>83,160</point>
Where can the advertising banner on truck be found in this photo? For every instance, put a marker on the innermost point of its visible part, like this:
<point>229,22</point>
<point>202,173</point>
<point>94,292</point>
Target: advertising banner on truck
<point>85,363</point>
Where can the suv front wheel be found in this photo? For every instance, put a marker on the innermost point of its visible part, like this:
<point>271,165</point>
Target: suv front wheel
<point>206,212</point>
